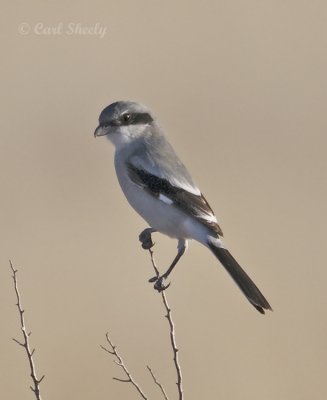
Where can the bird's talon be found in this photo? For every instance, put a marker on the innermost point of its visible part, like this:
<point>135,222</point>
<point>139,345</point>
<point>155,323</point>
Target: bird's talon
<point>146,240</point>
<point>159,285</point>
<point>147,245</point>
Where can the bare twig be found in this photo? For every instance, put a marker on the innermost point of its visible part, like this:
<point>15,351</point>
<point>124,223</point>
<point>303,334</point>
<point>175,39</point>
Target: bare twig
<point>155,380</point>
<point>172,335</point>
<point>25,343</point>
<point>121,364</point>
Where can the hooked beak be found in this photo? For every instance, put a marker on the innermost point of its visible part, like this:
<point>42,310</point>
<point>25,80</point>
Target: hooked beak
<point>100,131</point>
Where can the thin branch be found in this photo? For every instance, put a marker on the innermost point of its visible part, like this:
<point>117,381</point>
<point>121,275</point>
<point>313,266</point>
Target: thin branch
<point>155,380</point>
<point>119,361</point>
<point>172,335</point>
<point>36,382</point>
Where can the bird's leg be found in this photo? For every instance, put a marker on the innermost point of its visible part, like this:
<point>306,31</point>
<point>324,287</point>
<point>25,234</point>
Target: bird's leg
<point>146,239</point>
<point>159,281</point>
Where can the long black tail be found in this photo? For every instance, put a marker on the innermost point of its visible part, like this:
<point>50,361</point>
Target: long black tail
<point>245,283</point>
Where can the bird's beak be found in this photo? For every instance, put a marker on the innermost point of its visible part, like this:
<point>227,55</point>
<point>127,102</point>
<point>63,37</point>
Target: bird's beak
<point>100,131</point>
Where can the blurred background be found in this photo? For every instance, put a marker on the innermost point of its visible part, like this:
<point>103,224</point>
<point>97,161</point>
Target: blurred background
<point>240,87</point>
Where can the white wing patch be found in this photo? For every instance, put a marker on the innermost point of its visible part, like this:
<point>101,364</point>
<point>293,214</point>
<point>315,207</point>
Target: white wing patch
<point>208,217</point>
<point>165,199</point>
<point>182,184</point>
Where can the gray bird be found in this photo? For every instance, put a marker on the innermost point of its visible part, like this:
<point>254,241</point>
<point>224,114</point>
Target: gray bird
<point>159,187</point>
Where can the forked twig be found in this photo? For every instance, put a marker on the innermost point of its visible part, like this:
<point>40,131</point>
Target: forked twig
<point>155,380</point>
<point>25,343</point>
<point>172,334</point>
<point>121,364</point>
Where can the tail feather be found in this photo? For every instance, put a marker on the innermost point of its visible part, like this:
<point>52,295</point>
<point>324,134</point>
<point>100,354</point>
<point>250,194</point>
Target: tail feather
<point>244,282</point>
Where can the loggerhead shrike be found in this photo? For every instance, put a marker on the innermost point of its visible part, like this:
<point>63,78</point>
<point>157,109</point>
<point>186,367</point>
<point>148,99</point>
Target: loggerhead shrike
<point>159,187</point>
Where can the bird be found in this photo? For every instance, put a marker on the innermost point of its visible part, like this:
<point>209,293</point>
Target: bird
<point>161,190</point>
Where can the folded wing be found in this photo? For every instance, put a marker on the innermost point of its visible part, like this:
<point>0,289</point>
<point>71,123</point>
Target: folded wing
<point>190,203</point>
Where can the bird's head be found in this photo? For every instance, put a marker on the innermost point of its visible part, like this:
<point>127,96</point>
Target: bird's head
<point>124,121</point>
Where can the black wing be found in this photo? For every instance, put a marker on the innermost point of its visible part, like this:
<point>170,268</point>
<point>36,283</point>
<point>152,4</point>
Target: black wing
<point>189,203</point>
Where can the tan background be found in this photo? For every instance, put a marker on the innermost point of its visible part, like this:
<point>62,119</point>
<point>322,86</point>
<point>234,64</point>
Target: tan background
<point>241,88</point>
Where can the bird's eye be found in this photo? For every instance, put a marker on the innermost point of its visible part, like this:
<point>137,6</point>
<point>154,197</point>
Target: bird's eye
<point>105,125</point>
<point>126,117</point>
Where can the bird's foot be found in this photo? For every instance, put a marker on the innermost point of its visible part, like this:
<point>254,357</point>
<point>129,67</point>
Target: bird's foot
<point>159,283</point>
<point>146,239</point>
